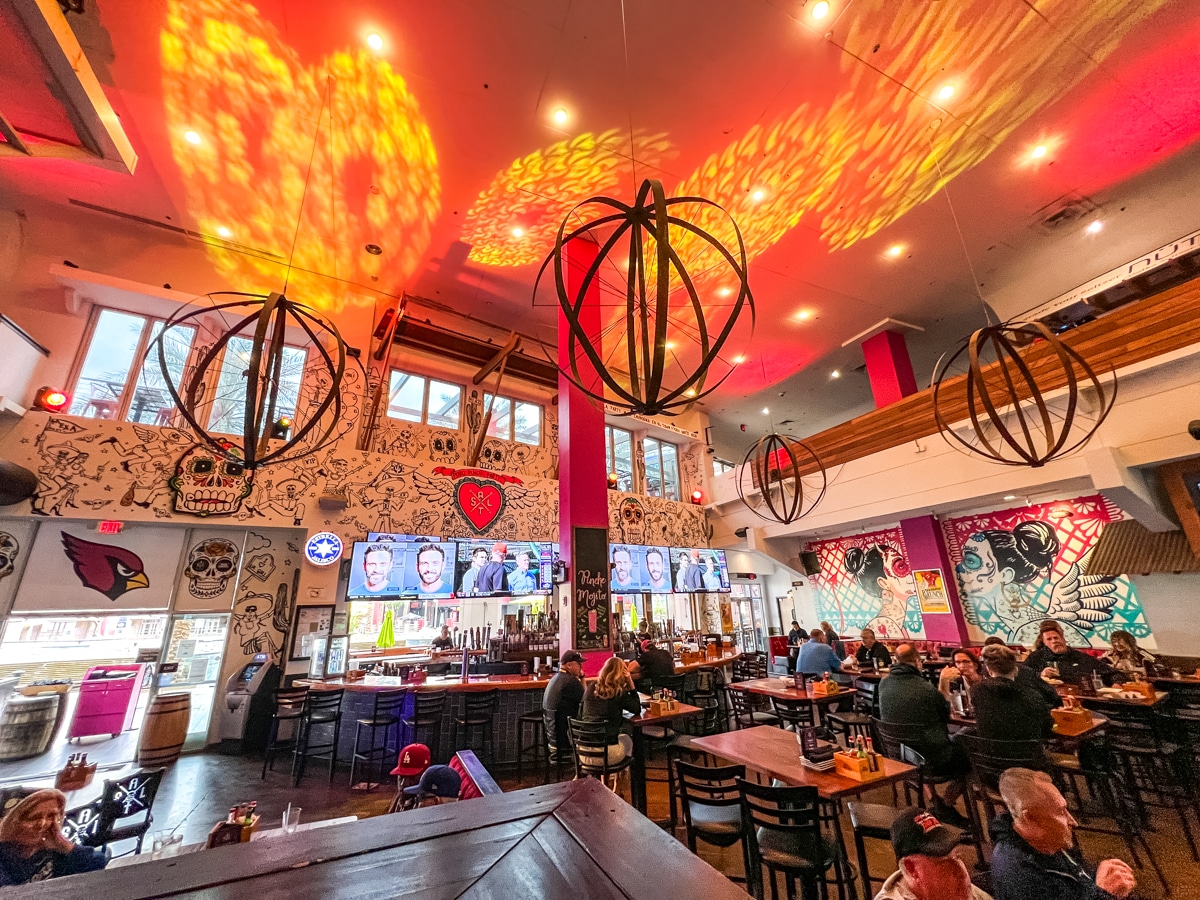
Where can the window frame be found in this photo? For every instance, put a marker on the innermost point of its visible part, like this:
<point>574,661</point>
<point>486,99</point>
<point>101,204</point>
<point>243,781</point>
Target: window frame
<point>210,393</point>
<point>513,402</point>
<point>662,485</point>
<point>610,456</point>
<point>428,382</point>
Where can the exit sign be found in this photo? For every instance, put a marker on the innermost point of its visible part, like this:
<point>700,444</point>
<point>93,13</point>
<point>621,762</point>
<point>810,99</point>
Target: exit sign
<point>110,527</point>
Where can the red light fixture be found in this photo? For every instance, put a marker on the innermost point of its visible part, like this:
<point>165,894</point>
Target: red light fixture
<point>612,481</point>
<point>51,400</point>
<point>697,497</point>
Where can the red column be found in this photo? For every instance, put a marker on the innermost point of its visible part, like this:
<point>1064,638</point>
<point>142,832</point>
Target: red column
<point>583,482</point>
<point>926,548</point>
<point>889,367</point>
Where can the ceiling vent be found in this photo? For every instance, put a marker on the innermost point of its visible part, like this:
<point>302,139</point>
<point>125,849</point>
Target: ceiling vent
<point>1064,213</point>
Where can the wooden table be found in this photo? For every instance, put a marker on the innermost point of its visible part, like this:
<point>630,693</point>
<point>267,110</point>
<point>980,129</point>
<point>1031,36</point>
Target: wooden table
<point>784,689</point>
<point>574,839</point>
<point>776,753</point>
<point>1089,702</point>
<point>637,768</point>
<point>1072,734</point>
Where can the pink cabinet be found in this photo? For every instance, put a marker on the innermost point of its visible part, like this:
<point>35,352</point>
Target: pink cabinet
<point>108,698</point>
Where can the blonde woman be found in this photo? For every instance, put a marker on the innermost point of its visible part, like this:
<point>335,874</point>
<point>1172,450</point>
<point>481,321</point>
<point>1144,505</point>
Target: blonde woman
<point>32,847</point>
<point>606,699</point>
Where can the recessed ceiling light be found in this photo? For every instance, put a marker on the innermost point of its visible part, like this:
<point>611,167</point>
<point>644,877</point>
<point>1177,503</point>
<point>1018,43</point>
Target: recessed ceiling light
<point>1094,227</point>
<point>835,374</point>
<point>766,410</point>
<point>758,195</point>
<point>946,92</point>
<point>1038,152</point>
<point>820,9</point>
<point>738,360</point>
<point>224,232</point>
<point>895,250</point>
<point>518,232</point>
<point>192,137</point>
<point>804,315</point>
<point>725,292</point>
<point>375,41</point>
<point>561,116</point>
<point>1010,496</point>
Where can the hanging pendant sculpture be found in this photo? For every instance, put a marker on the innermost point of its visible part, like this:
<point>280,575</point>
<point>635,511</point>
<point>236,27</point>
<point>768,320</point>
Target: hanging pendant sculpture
<point>788,475</point>
<point>1023,406</point>
<point>664,320</point>
<point>265,393</point>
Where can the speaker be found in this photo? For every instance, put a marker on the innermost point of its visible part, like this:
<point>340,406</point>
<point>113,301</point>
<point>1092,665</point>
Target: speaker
<point>812,565</point>
<point>741,532</point>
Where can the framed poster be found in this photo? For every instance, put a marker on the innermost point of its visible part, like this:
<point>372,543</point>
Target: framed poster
<point>311,622</point>
<point>931,591</point>
<point>341,622</point>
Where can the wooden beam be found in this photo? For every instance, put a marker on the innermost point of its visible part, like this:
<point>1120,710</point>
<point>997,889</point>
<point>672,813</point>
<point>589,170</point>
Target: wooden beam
<point>1176,477</point>
<point>1140,331</point>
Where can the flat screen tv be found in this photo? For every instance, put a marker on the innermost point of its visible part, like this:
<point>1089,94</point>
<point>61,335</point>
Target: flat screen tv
<point>387,570</point>
<point>504,568</point>
<point>639,570</point>
<point>699,570</point>
<point>401,538</point>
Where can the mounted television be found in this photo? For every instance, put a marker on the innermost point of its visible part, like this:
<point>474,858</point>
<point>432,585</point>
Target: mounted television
<point>401,538</point>
<point>388,570</point>
<point>504,568</point>
<point>639,570</point>
<point>699,570</point>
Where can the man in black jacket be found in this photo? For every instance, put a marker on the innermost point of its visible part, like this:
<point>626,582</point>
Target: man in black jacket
<point>871,653</point>
<point>1004,710</point>
<point>656,663</point>
<point>1054,659</point>
<point>1032,841</point>
<point>561,701</point>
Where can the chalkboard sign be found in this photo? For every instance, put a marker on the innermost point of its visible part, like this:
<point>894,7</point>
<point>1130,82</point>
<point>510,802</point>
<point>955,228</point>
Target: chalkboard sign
<point>589,588</point>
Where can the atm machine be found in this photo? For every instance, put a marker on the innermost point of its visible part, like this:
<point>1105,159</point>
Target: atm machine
<point>246,712</point>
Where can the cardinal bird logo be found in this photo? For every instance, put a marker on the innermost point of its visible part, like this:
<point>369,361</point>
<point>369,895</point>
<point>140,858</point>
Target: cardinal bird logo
<point>112,571</point>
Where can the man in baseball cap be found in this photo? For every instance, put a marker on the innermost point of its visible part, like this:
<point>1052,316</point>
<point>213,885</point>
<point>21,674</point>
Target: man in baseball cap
<point>929,867</point>
<point>413,761</point>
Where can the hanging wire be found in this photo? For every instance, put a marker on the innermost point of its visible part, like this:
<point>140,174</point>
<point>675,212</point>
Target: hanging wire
<point>987,312</point>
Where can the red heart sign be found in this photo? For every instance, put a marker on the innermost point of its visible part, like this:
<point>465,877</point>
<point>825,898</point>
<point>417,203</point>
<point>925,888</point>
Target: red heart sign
<point>480,502</point>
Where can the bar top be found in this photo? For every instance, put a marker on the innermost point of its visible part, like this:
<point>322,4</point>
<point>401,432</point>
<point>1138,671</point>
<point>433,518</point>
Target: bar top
<point>373,683</point>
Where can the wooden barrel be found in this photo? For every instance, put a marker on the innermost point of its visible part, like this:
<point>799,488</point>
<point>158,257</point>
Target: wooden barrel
<point>164,730</point>
<point>27,726</point>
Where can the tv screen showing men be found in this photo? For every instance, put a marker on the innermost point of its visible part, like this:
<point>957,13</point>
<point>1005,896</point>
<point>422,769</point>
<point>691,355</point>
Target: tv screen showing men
<point>384,570</point>
<point>373,536</point>
<point>637,570</point>
<point>699,570</point>
<point>502,568</point>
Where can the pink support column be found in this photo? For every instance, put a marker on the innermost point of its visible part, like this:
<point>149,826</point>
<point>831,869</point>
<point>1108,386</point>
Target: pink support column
<point>926,549</point>
<point>585,621</point>
<point>889,367</point>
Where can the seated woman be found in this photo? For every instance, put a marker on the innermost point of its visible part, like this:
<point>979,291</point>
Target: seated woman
<point>32,846</point>
<point>965,668</point>
<point>606,699</point>
<point>1126,655</point>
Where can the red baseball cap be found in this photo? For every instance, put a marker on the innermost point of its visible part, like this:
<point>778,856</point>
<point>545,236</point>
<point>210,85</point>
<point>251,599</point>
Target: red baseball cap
<point>414,759</point>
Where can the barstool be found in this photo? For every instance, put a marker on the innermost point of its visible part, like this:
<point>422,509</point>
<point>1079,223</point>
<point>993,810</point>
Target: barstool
<point>289,707</point>
<point>388,707</point>
<point>428,707</point>
<point>478,712</point>
<point>537,746</point>
<point>320,708</point>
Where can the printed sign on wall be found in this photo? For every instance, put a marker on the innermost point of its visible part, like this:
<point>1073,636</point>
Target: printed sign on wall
<point>931,590</point>
<point>589,583</point>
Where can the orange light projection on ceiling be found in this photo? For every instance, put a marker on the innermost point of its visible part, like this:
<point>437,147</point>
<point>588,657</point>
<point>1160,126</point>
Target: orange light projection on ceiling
<point>516,217</point>
<point>876,150</point>
<point>229,77</point>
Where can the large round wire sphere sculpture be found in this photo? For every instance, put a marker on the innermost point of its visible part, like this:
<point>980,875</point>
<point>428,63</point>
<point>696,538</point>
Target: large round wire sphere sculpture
<point>680,291</point>
<point>1017,395</point>
<point>252,381</point>
<point>787,476</point>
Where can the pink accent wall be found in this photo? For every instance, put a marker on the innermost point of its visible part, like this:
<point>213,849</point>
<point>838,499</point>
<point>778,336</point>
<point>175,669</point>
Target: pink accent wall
<point>889,367</point>
<point>926,549</point>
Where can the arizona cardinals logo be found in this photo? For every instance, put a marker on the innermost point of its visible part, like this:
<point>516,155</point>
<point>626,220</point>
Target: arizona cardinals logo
<point>112,571</point>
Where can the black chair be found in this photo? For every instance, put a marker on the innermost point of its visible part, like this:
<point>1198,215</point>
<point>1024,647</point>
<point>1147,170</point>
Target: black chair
<point>590,742</point>
<point>126,808</point>
<point>782,826</point>
<point>744,714</point>
<point>992,758</point>
<point>794,714</point>
<point>709,690</point>
<point>321,709</point>
<point>672,683</point>
<point>479,709</point>
<point>81,825</point>
<point>289,707</point>
<point>870,820</point>
<point>712,806</point>
<point>740,670</point>
<point>428,707</point>
<point>388,707</point>
<point>856,721</point>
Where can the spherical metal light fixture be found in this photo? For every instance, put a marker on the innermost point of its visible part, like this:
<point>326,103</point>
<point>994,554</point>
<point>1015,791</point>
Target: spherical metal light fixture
<point>786,473</point>
<point>1022,407</point>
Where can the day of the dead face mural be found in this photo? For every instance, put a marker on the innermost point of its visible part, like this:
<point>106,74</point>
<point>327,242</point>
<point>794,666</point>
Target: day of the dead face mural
<point>866,581</point>
<point>1017,567</point>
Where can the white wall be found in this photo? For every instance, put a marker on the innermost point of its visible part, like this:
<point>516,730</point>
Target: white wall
<point>1171,603</point>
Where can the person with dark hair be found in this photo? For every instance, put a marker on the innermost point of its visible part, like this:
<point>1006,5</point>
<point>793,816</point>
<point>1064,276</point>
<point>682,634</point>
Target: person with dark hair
<point>882,571</point>
<point>994,641</point>
<point>961,675</point>
<point>1126,655</point>
<point>377,560</point>
<point>795,638</point>
<point>431,561</point>
<point>816,657</point>
<point>564,693</point>
<point>1005,710</point>
<point>832,639</point>
<point>656,568</point>
<point>491,577</point>
<point>1056,660</point>
<point>656,664</point>
<point>32,846</point>
<point>996,563</point>
<point>871,653</point>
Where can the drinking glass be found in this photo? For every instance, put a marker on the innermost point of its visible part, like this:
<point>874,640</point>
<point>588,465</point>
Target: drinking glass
<point>291,819</point>
<point>165,844</point>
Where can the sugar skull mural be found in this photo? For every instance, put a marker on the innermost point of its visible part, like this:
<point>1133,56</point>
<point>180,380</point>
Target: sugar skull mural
<point>210,484</point>
<point>633,525</point>
<point>1018,567</point>
<point>211,563</point>
<point>866,581</point>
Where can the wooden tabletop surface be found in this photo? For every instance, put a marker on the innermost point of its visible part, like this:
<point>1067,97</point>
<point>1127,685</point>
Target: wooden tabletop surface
<point>1159,697</point>
<point>574,839</point>
<point>784,689</point>
<point>377,683</point>
<point>645,718</point>
<point>776,753</point>
<point>1074,730</point>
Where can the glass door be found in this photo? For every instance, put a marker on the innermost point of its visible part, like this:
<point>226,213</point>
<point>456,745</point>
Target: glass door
<point>191,663</point>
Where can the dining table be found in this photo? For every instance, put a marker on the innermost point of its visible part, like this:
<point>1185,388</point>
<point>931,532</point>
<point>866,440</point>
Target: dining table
<point>785,689</point>
<point>637,766</point>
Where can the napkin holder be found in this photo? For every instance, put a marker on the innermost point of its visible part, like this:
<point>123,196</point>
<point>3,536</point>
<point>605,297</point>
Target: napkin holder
<point>1071,717</point>
<point>825,688</point>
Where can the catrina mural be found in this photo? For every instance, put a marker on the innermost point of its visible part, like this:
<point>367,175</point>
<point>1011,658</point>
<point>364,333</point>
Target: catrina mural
<point>865,580</point>
<point>1017,567</point>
